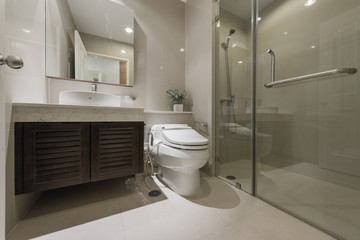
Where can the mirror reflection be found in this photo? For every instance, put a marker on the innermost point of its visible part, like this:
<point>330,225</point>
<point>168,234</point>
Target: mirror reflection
<point>90,40</point>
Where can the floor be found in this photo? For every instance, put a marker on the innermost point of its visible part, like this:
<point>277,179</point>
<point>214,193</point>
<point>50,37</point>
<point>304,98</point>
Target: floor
<point>65,208</point>
<point>333,206</point>
<point>240,170</point>
<point>219,211</point>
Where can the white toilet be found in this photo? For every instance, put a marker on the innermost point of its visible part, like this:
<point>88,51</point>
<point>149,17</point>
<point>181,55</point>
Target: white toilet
<point>179,151</point>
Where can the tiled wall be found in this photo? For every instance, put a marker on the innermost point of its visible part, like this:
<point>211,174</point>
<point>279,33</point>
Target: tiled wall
<point>199,64</point>
<point>25,37</point>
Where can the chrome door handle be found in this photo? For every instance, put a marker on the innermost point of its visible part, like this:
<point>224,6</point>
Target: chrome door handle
<point>12,61</point>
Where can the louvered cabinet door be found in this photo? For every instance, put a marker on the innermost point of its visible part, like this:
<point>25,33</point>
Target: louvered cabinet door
<point>116,149</point>
<point>55,155</point>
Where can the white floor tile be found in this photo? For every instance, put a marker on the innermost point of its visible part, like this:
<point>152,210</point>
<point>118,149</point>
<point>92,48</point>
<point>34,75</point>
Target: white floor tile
<point>109,228</point>
<point>271,223</point>
<point>220,212</point>
<point>226,233</point>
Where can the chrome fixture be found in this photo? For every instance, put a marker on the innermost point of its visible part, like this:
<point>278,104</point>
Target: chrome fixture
<point>231,98</point>
<point>272,54</point>
<point>272,82</point>
<point>335,71</point>
<point>226,45</point>
<point>203,124</point>
<point>93,87</point>
<point>12,61</point>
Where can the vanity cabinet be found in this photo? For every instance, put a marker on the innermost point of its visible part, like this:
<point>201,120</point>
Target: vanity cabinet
<point>115,149</point>
<point>50,155</point>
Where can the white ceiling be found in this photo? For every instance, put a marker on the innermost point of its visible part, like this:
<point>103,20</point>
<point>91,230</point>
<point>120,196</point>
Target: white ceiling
<point>242,8</point>
<point>103,18</point>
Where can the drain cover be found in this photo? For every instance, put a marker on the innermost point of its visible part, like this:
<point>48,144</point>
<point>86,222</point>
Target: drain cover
<point>154,193</point>
<point>230,177</point>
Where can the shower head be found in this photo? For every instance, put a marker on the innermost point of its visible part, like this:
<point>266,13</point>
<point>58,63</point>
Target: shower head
<point>232,31</point>
<point>226,45</point>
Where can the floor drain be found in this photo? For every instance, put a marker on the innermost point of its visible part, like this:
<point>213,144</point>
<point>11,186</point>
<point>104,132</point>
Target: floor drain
<point>230,177</point>
<point>154,193</point>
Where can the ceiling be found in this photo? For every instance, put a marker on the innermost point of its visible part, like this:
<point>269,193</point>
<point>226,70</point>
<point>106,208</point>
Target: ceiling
<point>242,8</point>
<point>103,18</point>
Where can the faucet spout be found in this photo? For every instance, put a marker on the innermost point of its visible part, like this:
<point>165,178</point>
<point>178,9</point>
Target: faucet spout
<point>93,87</point>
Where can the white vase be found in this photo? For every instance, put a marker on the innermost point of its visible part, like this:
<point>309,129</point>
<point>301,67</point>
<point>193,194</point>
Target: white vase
<point>178,107</point>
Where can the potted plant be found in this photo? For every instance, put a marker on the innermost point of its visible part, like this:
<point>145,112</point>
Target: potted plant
<point>176,98</point>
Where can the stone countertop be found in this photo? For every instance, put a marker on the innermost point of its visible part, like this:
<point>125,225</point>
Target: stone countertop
<point>38,112</point>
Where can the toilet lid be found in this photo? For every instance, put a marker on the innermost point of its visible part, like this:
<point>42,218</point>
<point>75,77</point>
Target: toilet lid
<point>186,147</point>
<point>161,127</point>
<point>184,137</point>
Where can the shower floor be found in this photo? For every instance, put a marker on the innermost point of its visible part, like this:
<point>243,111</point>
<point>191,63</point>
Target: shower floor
<point>241,170</point>
<point>328,205</point>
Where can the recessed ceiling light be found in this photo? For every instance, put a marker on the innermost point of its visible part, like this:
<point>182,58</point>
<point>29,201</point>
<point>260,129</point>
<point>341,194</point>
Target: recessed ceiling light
<point>182,50</point>
<point>309,3</point>
<point>313,46</point>
<point>128,30</point>
<point>240,62</point>
<point>26,30</point>
<point>285,33</point>
<point>123,51</point>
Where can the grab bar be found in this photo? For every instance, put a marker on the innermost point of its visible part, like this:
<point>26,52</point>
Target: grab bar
<point>273,83</point>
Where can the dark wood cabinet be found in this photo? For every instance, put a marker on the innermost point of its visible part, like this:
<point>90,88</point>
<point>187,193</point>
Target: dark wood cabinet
<point>114,150</point>
<point>50,155</point>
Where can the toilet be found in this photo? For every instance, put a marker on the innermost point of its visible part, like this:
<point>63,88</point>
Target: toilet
<point>179,151</point>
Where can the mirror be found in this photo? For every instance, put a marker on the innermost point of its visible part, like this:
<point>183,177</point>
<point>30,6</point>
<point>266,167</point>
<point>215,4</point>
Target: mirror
<point>90,40</point>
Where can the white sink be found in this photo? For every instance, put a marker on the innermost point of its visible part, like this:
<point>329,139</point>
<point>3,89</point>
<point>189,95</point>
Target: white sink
<point>263,109</point>
<point>77,97</point>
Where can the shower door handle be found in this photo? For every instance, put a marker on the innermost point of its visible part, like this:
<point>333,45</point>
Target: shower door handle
<point>311,76</point>
<point>272,54</point>
<point>12,61</point>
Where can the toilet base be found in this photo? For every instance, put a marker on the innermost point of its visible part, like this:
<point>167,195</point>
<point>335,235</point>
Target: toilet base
<point>184,183</point>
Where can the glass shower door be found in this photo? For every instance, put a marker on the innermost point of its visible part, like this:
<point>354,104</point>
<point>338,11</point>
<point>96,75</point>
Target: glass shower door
<point>233,94</point>
<point>308,141</point>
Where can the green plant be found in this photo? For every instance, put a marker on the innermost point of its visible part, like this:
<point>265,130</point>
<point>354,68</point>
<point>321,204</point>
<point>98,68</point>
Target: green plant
<point>176,96</point>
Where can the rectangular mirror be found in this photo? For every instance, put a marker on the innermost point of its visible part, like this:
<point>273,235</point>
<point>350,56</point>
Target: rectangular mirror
<point>90,40</point>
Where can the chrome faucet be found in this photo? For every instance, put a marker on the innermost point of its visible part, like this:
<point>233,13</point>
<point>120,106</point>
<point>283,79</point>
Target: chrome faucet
<point>93,87</point>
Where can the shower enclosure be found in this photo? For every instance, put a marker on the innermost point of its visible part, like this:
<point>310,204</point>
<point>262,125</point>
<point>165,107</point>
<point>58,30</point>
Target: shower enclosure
<point>300,149</point>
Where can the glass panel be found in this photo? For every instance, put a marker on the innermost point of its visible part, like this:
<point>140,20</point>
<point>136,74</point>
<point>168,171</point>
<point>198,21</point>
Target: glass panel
<point>233,94</point>
<point>308,154</point>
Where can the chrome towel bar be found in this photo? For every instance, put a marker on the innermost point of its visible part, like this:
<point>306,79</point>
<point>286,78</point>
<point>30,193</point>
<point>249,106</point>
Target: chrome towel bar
<point>273,83</point>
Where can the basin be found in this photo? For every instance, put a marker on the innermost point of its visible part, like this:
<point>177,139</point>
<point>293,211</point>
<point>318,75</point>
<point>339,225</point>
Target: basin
<point>87,98</point>
<point>263,109</point>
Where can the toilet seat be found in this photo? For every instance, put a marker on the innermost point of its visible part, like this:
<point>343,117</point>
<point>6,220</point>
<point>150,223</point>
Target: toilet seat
<point>187,139</point>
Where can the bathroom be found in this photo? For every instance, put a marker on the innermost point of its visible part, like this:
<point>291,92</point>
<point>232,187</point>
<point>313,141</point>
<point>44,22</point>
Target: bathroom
<point>298,123</point>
